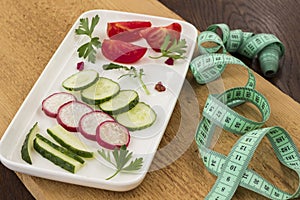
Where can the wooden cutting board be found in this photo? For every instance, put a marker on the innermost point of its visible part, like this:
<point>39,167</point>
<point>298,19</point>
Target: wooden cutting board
<point>31,31</point>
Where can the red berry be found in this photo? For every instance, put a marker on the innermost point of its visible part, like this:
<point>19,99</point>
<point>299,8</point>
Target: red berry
<point>170,61</point>
<point>160,87</point>
<point>80,66</point>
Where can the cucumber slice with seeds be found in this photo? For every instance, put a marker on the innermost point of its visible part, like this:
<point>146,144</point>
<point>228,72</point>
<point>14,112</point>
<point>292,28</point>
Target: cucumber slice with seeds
<point>28,143</point>
<point>139,117</point>
<point>101,91</point>
<point>58,155</point>
<point>69,141</point>
<point>122,102</point>
<point>80,80</point>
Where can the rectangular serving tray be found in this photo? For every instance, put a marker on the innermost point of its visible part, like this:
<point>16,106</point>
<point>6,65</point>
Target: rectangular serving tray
<point>143,143</point>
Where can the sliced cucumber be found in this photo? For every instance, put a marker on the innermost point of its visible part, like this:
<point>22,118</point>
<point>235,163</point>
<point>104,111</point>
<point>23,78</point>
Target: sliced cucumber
<point>139,117</point>
<point>28,143</point>
<point>122,102</point>
<point>69,141</point>
<point>80,80</point>
<point>58,155</point>
<point>101,91</point>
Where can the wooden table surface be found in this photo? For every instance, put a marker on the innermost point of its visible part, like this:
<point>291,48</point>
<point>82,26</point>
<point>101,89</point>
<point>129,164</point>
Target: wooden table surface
<point>32,30</point>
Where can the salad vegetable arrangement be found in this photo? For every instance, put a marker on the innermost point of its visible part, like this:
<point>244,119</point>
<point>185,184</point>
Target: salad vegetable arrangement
<point>97,107</point>
<point>118,48</point>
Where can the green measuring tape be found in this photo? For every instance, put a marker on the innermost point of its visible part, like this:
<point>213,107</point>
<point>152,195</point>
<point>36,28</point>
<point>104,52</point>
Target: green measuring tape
<point>266,47</point>
<point>232,170</point>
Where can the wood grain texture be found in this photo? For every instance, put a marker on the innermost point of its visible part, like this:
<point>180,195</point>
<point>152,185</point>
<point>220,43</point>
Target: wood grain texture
<point>277,17</point>
<point>31,31</point>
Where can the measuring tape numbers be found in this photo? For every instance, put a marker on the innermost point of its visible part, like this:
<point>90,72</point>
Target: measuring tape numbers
<point>267,47</point>
<point>232,170</point>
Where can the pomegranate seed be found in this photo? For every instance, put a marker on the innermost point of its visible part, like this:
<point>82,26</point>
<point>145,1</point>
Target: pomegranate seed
<point>170,61</point>
<point>80,66</point>
<point>160,87</point>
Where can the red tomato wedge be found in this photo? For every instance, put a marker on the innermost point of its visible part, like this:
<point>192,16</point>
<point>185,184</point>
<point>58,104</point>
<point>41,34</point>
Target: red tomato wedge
<point>122,52</point>
<point>155,36</point>
<point>127,31</point>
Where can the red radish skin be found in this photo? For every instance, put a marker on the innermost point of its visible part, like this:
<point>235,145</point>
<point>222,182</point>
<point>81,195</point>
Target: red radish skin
<point>90,121</point>
<point>111,135</point>
<point>51,104</point>
<point>70,113</point>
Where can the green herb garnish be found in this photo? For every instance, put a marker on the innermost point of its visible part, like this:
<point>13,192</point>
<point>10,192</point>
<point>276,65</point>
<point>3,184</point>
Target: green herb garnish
<point>175,51</point>
<point>88,50</point>
<point>121,157</point>
<point>131,72</point>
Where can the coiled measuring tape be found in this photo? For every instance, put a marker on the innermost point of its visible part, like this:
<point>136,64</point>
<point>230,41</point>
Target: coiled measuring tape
<point>232,170</point>
<point>266,47</point>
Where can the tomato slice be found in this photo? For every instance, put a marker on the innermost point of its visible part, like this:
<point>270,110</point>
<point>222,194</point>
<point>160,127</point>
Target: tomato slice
<point>122,52</point>
<point>155,36</point>
<point>127,31</point>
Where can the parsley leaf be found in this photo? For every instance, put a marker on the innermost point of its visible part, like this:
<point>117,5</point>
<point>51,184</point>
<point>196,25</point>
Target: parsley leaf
<point>131,72</point>
<point>174,51</point>
<point>88,50</point>
<point>121,158</point>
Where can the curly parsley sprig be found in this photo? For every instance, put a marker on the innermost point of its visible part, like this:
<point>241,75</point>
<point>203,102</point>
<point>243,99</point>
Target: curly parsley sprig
<point>121,157</point>
<point>89,49</point>
<point>175,51</point>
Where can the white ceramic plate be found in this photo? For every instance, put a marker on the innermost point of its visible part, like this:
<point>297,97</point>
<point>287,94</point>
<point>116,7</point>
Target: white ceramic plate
<point>143,143</point>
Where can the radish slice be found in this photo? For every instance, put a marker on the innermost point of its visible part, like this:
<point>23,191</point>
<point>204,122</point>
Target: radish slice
<point>111,134</point>
<point>51,104</point>
<point>90,121</point>
<point>70,113</point>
